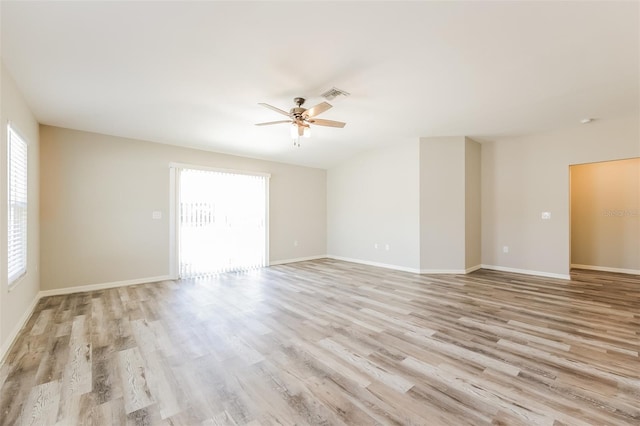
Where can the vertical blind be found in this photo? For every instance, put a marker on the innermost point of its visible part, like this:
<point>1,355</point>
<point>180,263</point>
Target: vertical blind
<point>222,222</point>
<point>17,203</point>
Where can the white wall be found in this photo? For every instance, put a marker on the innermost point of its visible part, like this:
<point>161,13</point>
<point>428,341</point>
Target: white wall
<point>98,193</point>
<point>374,199</point>
<point>524,176</point>
<point>605,215</point>
<point>16,304</point>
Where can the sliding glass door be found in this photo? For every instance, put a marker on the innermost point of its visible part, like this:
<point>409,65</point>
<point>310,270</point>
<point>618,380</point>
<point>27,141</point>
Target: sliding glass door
<point>222,222</point>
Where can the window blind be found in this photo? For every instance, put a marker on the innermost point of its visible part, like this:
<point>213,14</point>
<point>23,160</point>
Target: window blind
<point>221,222</point>
<point>17,204</point>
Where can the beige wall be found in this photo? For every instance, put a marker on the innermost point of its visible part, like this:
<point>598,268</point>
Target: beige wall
<point>442,203</point>
<point>411,196</point>
<point>99,191</point>
<point>373,199</point>
<point>473,223</point>
<point>525,176</point>
<point>15,303</point>
<point>449,204</point>
<point>605,215</point>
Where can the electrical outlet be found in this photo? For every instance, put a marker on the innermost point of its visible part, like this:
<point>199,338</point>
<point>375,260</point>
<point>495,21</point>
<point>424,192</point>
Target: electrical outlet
<point>386,247</point>
<point>505,249</point>
<point>375,246</point>
<point>546,215</point>
<point>295,243</point>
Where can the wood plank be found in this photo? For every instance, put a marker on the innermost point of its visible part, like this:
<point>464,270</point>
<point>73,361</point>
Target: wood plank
<point>41,407</point>
<point>136,394</point>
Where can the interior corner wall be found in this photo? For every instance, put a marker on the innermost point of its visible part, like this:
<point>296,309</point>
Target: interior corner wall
<point>373,200</point>
<point>16,303</point>
<point>473,223</point>
<point>442,204</point>
<point>99,192</point>
<point>605,215</point>
<point>527,175</point>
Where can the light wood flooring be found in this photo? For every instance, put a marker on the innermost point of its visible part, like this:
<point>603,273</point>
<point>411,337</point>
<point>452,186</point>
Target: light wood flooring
<point>332,343</point>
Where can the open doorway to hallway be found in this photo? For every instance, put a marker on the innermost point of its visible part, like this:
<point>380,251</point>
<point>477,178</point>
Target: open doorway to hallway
<point>605,216</point>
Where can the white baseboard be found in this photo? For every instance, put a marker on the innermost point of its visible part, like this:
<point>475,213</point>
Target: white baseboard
<point>93,287</point>
<point>4,349</point>
<point>451,271</point>
<point>405,268</point>
<point>442,271</point>
<point>378,264</point>
<point>606,269</point>
<point>526,272</point>
<point>472,269</point>
<point>298,259</point>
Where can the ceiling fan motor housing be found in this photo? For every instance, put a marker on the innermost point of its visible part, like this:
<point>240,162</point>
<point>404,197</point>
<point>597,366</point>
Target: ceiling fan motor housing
<point>297,112</point>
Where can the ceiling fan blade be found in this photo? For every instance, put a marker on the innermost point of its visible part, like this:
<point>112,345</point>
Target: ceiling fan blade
<point>273,122</point>
<point>328,123</point>
<point>316,110</point>
<point>274,108</point>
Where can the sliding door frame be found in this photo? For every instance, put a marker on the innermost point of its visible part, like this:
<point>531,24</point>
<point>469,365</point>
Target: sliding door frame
<point>174,199</point>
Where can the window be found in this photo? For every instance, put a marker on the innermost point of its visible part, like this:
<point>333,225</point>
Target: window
<point>17,201</point>
<point>222,222</point>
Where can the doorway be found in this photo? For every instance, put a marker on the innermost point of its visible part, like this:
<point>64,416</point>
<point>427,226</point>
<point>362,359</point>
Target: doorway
<point>605,216</point>
<point>221,221</point>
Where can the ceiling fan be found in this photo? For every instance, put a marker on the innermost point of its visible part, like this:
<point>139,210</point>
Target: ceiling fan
<point>301,118</point>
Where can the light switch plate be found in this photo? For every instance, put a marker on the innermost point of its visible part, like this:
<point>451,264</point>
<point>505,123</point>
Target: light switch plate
<point>156,215</point>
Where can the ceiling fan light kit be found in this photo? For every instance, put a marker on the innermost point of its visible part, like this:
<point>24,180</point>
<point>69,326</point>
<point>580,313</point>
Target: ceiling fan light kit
<point>300,131</point>
<point>302,118</point>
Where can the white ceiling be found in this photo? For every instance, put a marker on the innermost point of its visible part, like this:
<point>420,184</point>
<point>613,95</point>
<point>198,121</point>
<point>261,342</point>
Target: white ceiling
<point>192,73</point>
